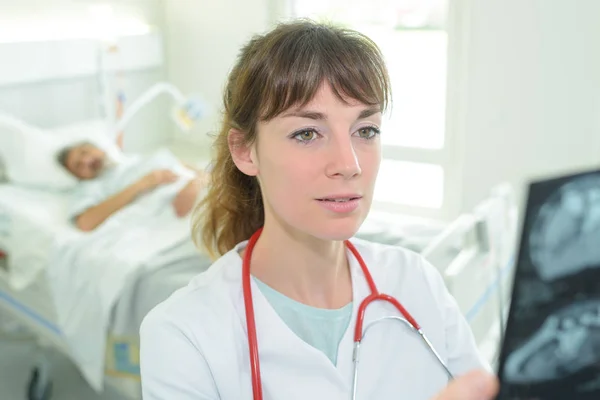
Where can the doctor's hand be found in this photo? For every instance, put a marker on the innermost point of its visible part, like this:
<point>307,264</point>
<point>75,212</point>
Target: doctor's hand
<point>156,178</point>
<point>476,385</point>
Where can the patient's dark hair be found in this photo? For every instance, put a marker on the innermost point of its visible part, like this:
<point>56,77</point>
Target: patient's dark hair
<point>63,155</point>
<point>274,72</point>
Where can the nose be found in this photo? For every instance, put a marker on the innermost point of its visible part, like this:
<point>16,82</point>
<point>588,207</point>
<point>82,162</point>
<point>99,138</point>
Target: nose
<point>342,159</point>
<point>87,159</point>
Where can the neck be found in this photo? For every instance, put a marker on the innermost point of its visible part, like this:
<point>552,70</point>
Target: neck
<point>309,270</point>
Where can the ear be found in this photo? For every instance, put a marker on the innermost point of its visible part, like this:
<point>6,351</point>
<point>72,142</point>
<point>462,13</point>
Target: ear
<point>243,155</point>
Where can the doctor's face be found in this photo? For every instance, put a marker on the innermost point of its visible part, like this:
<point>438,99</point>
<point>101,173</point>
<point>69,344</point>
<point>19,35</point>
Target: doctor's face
<point>317,165</point>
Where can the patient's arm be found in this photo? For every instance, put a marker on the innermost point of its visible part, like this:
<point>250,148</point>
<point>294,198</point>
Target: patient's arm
<point>186,198</point>
<point>91,218</point>
<point>120,140</point>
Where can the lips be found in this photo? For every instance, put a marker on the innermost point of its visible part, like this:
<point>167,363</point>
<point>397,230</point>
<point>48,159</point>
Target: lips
<point>339,199</point>
<point>341,205</point>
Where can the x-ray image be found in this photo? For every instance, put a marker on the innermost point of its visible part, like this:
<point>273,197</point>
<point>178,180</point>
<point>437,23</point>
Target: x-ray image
<point>551,347</point>
<point>565,236</point>
<point>567,342</point>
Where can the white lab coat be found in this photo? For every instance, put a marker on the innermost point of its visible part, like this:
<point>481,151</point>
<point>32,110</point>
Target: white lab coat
<point>194,345</point>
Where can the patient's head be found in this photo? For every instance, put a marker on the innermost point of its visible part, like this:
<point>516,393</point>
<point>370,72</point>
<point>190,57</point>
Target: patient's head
<point>84,160</point>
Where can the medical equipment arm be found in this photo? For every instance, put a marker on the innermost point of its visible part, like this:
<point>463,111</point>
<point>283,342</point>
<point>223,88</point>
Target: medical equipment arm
<point>171,367</point>
<point>186,112</point>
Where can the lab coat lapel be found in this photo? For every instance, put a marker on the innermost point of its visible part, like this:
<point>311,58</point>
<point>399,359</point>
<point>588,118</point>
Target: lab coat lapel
<point>408,365</point>
<point>282,354</point>
<point>360,290</point>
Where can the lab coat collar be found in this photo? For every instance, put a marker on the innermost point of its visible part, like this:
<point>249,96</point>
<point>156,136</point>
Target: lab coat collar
<point>278,334</point>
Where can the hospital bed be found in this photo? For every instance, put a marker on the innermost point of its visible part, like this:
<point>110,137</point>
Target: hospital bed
<point>31,223</point>
<point>34,226</point>
<point>475,255</point>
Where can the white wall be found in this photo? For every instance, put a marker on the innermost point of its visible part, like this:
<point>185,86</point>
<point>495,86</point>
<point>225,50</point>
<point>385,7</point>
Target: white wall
<point>532,94</point>
<point>203,38</point>
<point>58,102</point>
<point>529,103</point>
<point>149,10</point>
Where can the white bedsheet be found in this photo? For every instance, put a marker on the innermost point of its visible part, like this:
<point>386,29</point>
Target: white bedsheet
<point>88,272</point>
<point>30,222</point>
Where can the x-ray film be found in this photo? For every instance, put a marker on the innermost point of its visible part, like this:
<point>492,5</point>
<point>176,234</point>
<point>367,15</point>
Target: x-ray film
<point>551,346</point>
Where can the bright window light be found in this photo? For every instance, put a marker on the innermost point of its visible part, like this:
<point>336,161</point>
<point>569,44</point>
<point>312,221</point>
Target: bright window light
<point>410,183</point>
<point>417,64</point>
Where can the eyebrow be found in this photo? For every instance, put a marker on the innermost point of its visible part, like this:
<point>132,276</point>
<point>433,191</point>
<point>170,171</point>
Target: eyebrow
<point>320,116</point>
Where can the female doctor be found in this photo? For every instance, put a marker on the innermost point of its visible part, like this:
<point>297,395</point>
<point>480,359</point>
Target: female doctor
<point>293,178</point>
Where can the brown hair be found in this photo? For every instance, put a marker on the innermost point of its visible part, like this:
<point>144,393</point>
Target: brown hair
<point>63,155</point>
<point>274,72</point>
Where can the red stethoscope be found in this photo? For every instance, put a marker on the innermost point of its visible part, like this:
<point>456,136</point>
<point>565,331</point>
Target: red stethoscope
<point>359,335</point>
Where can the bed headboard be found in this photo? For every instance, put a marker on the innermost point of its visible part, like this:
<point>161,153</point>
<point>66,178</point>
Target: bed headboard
<point>57,82</point>
<point>40,61</point>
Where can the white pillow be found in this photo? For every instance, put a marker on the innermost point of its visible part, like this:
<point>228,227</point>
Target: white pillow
<point>29,154</point>
<point>97,132</point>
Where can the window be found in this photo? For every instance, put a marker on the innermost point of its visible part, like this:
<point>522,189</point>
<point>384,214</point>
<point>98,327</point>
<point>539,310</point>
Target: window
<point>412,36</point>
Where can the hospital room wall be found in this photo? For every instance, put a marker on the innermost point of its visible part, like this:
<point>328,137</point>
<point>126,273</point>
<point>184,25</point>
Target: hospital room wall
<point>148,10</point>
<point>531,103</point>
<point>203,38</point>
<point>57,102</point>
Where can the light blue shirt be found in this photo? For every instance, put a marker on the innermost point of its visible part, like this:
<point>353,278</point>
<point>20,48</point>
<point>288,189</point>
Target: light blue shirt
<point>321,328</point>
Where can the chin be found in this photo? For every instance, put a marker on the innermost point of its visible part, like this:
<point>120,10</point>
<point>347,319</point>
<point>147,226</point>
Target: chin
<point>337,230</point>
<point>317,223</point>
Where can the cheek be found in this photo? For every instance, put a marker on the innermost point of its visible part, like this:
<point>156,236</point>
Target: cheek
<point>289,184</point>
<point>288,174</point>
<point>369,164</point>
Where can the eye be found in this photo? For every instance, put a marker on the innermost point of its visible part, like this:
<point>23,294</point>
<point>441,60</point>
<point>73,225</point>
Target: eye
<point>368,132</point>
<point>305,136</point>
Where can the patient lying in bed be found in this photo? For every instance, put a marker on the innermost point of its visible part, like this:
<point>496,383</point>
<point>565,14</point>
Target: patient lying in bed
<point>108,185</point>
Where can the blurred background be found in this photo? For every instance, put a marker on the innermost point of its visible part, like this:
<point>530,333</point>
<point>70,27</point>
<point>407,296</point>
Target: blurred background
<point>488,95</point>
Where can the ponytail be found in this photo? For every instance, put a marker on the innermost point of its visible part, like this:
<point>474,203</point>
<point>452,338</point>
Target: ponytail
<point>232,210</point>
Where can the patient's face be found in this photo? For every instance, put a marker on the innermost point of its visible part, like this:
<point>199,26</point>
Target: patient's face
<point>85,161</point>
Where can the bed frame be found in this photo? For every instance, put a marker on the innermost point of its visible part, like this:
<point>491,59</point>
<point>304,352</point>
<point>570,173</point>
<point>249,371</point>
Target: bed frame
<point>475,255</point>
<point>33,308</point>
